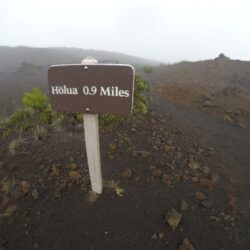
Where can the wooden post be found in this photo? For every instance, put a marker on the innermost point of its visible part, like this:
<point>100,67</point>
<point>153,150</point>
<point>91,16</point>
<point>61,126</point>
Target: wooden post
<point>91,132</point>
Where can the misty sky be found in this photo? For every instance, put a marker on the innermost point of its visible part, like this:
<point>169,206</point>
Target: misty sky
<point>164,30</point>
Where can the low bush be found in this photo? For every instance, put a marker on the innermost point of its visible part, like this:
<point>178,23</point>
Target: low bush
<point>20,120</point>
<point>37,111</point>
<point>106,120</point>
<point>148,69</point>
<point>140,105</point>
<point>35,100</point>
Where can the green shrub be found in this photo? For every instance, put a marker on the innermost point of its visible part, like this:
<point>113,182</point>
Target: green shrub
<point>140,104</point>
<point>38,111</point>
<point>35,100</point>
<point>70,118</point>
<point>20,120</point>
<point>148,69</point>
<point>106,120</point>
<point>47,115</point>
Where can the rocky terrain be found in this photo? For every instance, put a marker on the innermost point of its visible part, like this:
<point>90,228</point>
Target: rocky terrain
<point>220,87</point>
<point>168,184</point>
<point>175,178</point>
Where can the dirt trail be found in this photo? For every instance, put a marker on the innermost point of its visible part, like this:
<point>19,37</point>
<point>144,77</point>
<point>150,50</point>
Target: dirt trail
<point>231,143</point>
<point>171,167</point>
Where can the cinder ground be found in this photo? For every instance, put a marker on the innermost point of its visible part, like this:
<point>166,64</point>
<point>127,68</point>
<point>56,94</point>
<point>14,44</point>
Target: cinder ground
<point>174,174</point>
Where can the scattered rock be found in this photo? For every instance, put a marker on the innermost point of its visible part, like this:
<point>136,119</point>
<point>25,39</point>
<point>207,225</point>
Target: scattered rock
<point>126,173</point>
<point>92,197</point>
<point>141,153</point>
<point>156,172</point>
<point>167,179</point>
<point>199,196</point>
<point>157,236</point>
<point>112,146</point>
<point>205,170</point>
<point>154,237</point>
<point>173,218</point>
<point>241,124</point>
<point>206,204</point>
<point>178,155</point>
<point>161,236</point>
<point>74,175</point>
<point>215,177</point>
<point>169,148</point>
<point>227,118</point>
<point>35,193</point>
<point>152,168</point>
<point>178,176</point>
<point>24,186</point>
<point>137,178</point>
<point>111,157</point>
<point>214,218</point>
<point>55,170</point>
<point>208,104</point>
<point>207,183</point>
<point>186,245</point>
<point>210,150</point>
<point>184,205</point>
<point>45,171</point>
<point>193,165</point>
<point>71,166</point>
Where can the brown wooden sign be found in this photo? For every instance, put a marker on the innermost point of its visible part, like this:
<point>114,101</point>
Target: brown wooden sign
<point>93,88</point>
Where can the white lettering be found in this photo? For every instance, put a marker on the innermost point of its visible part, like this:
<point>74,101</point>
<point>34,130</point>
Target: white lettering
<point>63,90</point>
<point>126,93</point>
<point>60,90</point>
<point>105,92</point>
<point>113,91</point>
<point>54,90</point>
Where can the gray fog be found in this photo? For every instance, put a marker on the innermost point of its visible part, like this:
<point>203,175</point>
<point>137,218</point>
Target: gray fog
<point>165,30</point>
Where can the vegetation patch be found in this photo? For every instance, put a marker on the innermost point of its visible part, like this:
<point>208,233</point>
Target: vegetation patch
<point>37,113</point>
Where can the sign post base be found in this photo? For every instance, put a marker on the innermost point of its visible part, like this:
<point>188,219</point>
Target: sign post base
<point>91,132</point>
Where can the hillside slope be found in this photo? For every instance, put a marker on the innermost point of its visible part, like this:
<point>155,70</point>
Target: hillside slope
<point>12,57</point>
<point>218,86</point>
